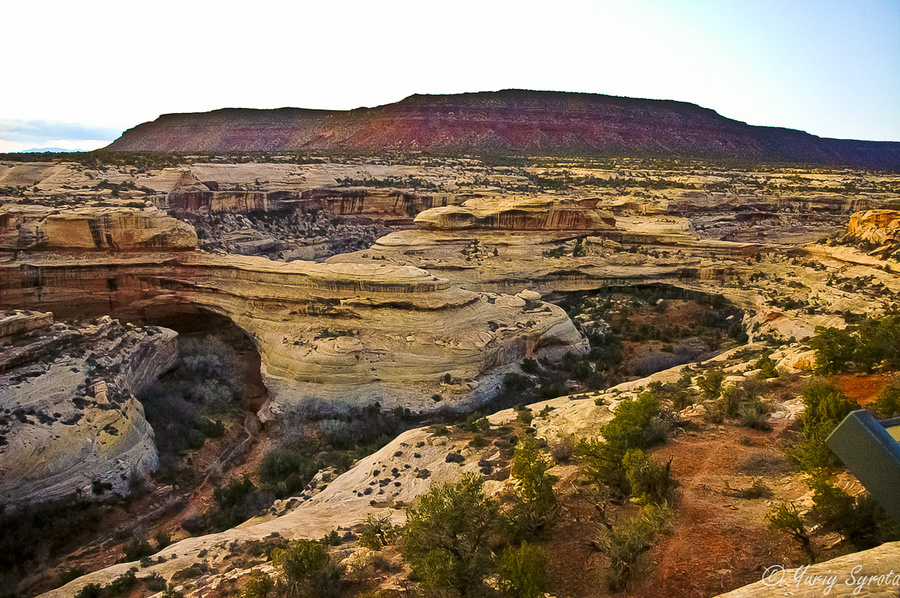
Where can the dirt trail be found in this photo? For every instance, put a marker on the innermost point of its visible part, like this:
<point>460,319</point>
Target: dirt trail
<point>714,531</point>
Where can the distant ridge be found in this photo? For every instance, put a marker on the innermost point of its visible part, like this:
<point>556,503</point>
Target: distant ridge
<point>509,121</point>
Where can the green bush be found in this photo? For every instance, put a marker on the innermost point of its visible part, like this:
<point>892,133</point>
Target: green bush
<point>307,570</point>
<point>710,383</point>
<point>631,427</point>
<point>785,517</point>
<point>377,532</point>
<point>887,404</point>
<point>825,406</point>
<point>448,535</point>
<point>535,504</point>
<point>859,520</point>
<point>91,590</point>
<point>515,382</point>
<point>259,585</point>
<point>136,550</point>
<point>766,367</point>
<point>523,572</point>
<point>529,366</point>
<point>624,544</point>
<point>834,350</point>
<point>649,480</point>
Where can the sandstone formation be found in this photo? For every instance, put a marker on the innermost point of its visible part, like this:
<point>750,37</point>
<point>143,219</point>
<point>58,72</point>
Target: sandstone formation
<point>339,332</point>
<point>116,229</point>
<point>878,227</point>
<point>69,423</point>
<point>495,245</point>
<point>873,573</point>
<point>544,123</point>
<point>520,214</point>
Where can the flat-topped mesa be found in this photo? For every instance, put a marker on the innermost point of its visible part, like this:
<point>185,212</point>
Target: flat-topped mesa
<point>879,227</point>
<point>348,333</point>
<point>93,228</point>
<point>72,424</point>
<point>518,214</point>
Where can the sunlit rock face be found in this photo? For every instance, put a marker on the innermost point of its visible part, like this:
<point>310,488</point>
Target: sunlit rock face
<point>879,227</point>
<point>95,228</point>
<point>69,423</point>
<point>518,214</point>
<point>350,333</point>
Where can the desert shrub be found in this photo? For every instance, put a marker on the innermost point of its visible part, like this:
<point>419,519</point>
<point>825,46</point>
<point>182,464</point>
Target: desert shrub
<point>563,449</point>
<point>825,407</point>
<point>122,584</point>
<point>235,503</point>
<point>155,582</point>
<point>522,572</point>
<point>710,383</point>
<point>91,590</point>
<point>729,401</point>
<point>259,585</point>
<point>785,518</point>
<point>888,402</point>
<point>162,539</point>
<point>834,350</point>
<point>307,570</point>
<point>447,539</point>
<point>524,415</point>
<point>859,520</point>
<point>515,382</point>
<point>529,366</point>
<point>766,367</point>
<point>631,427</point>
<point>649,480</point>
<point>877,342</point>
<point>624,544</point>
<point>377,532</point>
<point>136,550</point>
<point>535,504</point>
<point>754,414</point>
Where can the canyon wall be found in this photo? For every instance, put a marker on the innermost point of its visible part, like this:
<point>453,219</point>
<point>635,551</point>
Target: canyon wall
<point>69,422</point>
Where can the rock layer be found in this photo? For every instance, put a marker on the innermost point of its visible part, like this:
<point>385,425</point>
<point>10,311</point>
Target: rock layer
<point>343,332</point>
<point>117,229</point>
<point>70,425</point>
<point>518,214</point>
<point>875,226</point>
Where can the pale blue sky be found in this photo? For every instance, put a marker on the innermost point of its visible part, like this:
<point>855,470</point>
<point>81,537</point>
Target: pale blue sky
<point>76,73</point>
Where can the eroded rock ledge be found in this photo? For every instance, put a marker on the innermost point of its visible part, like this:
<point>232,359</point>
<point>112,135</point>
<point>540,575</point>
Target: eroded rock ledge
<point>342,332</point>
<point>69,422</point>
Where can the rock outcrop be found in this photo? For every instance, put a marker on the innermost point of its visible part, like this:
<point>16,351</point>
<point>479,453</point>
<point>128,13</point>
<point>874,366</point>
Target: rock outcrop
<point>879,227</point>
<point>69,422</point>
<point>80,229</point>
<point>342,332</point>
<point>870,573</point>
<point>534,122</point>
<point>518,214</point>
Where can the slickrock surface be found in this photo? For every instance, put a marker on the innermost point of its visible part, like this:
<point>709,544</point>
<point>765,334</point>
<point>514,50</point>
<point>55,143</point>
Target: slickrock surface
<point>114,228</point>
<point>69,423</point>
<point>383,483</point>
<point>345,332</point>
<point>873,573</point>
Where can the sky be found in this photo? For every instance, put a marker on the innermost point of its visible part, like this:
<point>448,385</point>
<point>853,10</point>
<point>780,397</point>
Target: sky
<point>77,74</point>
